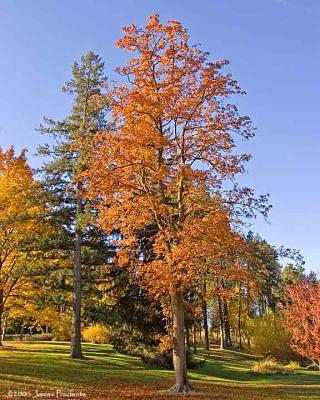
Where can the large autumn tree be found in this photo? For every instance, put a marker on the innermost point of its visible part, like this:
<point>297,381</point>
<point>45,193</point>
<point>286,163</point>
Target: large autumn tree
<point>164,165</point>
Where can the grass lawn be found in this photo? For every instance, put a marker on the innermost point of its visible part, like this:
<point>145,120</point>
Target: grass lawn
<point>106,374</point>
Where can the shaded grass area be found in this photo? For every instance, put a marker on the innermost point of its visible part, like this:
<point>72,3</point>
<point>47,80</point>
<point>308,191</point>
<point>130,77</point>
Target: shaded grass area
<point>106,374</point>
<point>232,366</point>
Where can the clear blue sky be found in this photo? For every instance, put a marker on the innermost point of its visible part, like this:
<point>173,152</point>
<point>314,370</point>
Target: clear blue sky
<point>273,46</point>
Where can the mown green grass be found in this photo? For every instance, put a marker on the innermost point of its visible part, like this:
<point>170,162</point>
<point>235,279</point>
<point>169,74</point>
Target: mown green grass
<point>225,374</point>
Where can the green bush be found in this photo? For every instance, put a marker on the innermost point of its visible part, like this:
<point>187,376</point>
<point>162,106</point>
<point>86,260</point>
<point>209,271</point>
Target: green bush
<point>312,367</point>
<point>130,342</point>
<point>97,333</point>
<point>41,337</point>
<point>157,359</point>
<point>11,337</point>
<point>163,359</point>
<point>126,340</point>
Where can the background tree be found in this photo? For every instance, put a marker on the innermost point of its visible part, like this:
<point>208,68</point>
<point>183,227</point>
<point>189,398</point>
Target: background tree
<point>268,269</point>
<point>302,319</point>
<point>134,316</point>
<point>21,224</point>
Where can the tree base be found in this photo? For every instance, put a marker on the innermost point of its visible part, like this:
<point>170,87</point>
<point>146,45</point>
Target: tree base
<point>77,356</point>
<point>181,388</point>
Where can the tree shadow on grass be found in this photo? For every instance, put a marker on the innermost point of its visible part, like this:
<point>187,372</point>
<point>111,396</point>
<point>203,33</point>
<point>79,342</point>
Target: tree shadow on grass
<point>53,365</point>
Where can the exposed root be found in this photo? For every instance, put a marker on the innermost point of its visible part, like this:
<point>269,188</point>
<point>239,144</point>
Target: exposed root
<point>181,388</point>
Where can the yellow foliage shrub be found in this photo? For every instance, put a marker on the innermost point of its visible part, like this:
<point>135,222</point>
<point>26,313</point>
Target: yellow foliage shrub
<point>268,338</point>
<point>293,365</point>
<point>272,367</point>
<point>97,333</point>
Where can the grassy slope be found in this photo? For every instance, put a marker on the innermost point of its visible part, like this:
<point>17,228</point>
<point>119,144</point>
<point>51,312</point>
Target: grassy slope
<point>106,374</point>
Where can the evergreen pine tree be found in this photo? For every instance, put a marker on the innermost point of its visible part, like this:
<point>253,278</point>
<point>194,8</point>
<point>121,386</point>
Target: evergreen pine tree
<point>68,155</point>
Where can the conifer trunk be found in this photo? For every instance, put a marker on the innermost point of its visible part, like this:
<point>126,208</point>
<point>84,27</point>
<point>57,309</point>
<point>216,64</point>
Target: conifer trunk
<point>76,351</point>
<point>227,330</point>
<point>3,331</point>
<point>205,319</point>
<point>239,321</point>
<point>179,352</point>
<point>188,337</point>
<point>205,326</point>
<point>21,332</point>
<point>195,350</point>
<point>222,341</point>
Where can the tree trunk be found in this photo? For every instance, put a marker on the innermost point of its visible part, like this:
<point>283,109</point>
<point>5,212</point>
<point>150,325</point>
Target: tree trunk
<point>76,351</point>
<point>188,337</point>
<point>179,351</point>
<point>222,341</point>
<point>205,325</point>
<point>3,330</point>
<point>21,332</point>
<point>1,312</point>
<point>239,321</point>
<point>195,338</point>
<point>227,324</point>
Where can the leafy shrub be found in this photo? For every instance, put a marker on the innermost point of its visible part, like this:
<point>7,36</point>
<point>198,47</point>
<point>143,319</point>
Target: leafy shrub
<point>163,359</point>
<point>268,338</point>
<point>120,342</point>
<point>42,337</point>
<point>97,333</point>
<point>270,366</point>
<point>157,358</point>
<point>313,367</point>
<point>9,337</point>
<point>130,342</point>
<point>293,365</point>
<point>126,340</point>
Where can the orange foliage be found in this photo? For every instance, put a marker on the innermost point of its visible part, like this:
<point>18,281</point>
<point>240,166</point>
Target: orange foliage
<point>302,319</point>
<point>166,160</point>
<point>19,222</point>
